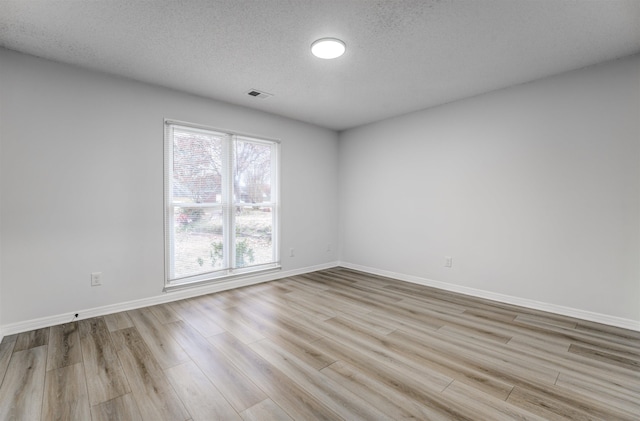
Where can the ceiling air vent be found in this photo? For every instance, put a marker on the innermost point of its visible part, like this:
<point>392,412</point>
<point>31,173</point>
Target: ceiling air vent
<point>259,94</point>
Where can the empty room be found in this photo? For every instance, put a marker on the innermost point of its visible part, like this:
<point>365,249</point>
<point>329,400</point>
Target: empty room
<point>319,210</point>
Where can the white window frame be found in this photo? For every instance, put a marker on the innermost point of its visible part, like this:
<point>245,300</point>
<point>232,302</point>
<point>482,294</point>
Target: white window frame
<point>228,206</point>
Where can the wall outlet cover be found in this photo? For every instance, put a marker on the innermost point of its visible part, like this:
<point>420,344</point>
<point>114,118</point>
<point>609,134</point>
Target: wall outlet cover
<point>96,279</point>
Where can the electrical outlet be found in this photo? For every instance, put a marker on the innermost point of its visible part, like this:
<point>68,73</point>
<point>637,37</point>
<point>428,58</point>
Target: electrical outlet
<point>328,248</point>
<point>291,252</point>
<point>96,279</point>
<point>448,261</point>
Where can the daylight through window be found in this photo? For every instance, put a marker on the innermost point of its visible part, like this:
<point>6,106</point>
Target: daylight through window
<point>221,204</point>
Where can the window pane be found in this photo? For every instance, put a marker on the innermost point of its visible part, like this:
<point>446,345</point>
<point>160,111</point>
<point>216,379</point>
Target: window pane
<point>197,240</point>
<point>197,167</point>
<point>252,181</point>
<point>254,244</point>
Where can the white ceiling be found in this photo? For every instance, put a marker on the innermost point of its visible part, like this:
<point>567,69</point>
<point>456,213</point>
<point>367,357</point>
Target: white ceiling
<point>402,55</point>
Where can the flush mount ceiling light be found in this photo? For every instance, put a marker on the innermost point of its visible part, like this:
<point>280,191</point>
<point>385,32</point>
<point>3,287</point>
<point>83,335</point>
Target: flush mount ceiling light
<point>328,48</point>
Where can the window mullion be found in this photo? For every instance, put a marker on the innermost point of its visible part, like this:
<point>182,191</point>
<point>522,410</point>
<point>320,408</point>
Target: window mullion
<point>232,199</point>
<point>227,200</point>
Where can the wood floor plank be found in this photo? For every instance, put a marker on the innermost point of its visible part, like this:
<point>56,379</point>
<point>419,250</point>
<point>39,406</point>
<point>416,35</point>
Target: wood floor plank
<point>32,339</point>
<point>296,282</point>
<point>65,394</point>
<point>267,410</point>
<point>237,388</point>
<point>228,298</point>
<point>121,408</point>
<point>384,397</point>
<point>333,303</point>
<point>459,369</point>
<point>227,320</point>
<point>196,318</point>
<point>200,396</point>
<point>508,368</point>
<point>505,316</point>
<point>64,346</point>
<point>483,363</point>
<point>475,328</point>
<point>486,407</point>
<point>164,313</point>
<point>632,364</point>
<point>286,335</point>
<point>614,333</point>
<point>155,397</point>
<point>294,400</point>
<point>412,301</point>
<point>313,311</point>
<point>271,318</point>
<point>342,401</point>
<point>21,393</point>
<point>249,317</point>
<point>105,378</point>
<point>368,323</point>
<point>399,321</point>
<point>539,344</point>
<point>10,338</point>
<point>304,283</point>
<point>374,349</point>
<point>117,321</point>
<point>496,358</point>
<point>360,278</point>
<point>579,337</point>
<point>163,347</point>
<point>6,349</point>
<point>536,320</point>
<point>555,404</point>
<point>607,393</point>
<point>346,295</point>
<point>319,278</point>
<point>436,404</point>
<point>568,362</point>
<point>379,293</point>
<point>406,383</point>
<point>303,350</point>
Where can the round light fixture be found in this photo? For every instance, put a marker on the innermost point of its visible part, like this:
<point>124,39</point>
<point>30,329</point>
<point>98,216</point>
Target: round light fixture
<point>328,48</point>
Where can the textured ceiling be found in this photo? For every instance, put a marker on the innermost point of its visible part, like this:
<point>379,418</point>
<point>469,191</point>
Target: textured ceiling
<point>401,55</point>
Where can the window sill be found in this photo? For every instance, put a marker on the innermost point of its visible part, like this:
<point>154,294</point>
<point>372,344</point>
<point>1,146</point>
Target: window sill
<point>220,279</point>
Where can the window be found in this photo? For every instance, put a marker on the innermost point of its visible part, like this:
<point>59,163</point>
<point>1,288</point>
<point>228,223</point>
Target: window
<point>221,204</point>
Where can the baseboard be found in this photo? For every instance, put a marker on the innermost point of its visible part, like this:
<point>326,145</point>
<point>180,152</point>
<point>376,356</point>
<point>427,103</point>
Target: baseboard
<point>522,302</point>
<point>160,299</point>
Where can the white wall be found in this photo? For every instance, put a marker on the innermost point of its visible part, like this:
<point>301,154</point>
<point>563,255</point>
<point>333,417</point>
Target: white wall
<point>533,190</point>
<point>82,185</point>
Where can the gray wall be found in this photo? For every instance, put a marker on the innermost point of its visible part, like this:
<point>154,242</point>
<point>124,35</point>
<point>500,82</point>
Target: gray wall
<point>81,180</point>
<point>533,190</point>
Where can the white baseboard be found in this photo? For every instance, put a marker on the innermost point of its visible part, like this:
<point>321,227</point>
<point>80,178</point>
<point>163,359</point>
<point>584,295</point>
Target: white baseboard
<point>180,294</point>
<point>522,302</point>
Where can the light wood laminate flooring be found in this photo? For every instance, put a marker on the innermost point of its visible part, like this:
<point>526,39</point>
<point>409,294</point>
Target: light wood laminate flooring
<point>330,345</point>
